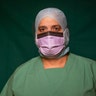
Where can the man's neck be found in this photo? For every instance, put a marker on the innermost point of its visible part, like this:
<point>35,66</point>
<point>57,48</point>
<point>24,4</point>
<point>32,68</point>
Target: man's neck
<point>54,63</point>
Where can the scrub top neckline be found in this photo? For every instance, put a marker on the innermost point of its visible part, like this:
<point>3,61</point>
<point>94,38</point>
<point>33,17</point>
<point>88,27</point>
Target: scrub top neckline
<point>66,64</point>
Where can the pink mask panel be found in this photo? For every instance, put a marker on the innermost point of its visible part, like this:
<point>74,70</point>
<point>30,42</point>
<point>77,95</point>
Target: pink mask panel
<point>50,44</point>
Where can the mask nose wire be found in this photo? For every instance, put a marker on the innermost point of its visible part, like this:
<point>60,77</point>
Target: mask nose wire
<point>49,33</point>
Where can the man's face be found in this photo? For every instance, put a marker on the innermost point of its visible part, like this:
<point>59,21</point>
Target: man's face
<point>49,24</point>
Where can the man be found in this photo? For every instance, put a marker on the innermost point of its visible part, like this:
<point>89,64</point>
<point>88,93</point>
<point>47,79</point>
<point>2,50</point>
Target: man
<point>56,72</point>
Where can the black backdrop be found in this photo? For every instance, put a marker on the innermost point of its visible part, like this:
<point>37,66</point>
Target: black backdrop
<point>17,30</point>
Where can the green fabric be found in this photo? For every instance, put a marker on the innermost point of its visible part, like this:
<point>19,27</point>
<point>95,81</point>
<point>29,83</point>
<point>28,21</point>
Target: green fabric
<point>17,44</point>
<point>77,78</point>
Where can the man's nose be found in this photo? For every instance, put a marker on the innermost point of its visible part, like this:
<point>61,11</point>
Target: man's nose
<point>49,29</point>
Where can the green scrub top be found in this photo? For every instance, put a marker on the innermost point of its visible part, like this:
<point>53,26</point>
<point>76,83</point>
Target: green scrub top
<point>77,78</point>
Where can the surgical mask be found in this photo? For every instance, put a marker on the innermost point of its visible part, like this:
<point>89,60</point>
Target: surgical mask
<point>51,44</point>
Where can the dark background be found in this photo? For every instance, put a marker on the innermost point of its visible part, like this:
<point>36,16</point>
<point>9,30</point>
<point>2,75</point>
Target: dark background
<point>17,30</point>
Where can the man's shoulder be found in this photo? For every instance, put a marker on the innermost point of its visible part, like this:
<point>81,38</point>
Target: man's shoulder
<point>28,65</point>
<point>82,59</point>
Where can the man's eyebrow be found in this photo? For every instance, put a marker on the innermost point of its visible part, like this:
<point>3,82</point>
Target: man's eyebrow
<point>56,26</point>
<point>42,27</point>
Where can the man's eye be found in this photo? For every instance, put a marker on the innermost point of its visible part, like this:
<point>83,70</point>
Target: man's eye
<point>41,29</point>
<point>56,29</point>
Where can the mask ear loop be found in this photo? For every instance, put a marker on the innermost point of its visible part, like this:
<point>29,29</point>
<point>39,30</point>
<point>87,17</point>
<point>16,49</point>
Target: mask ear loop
<point>36,38</point>
<point>66,35</point>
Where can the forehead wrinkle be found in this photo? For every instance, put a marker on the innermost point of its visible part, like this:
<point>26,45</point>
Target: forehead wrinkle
<point>48,18</point>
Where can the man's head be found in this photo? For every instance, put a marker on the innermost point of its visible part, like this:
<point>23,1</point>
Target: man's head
<point>52,34</point>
